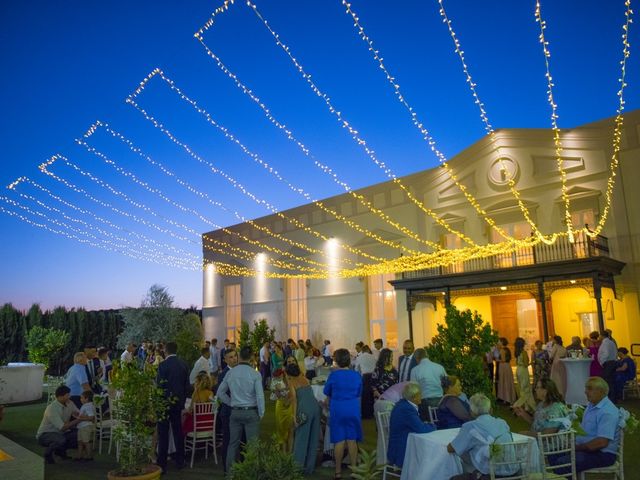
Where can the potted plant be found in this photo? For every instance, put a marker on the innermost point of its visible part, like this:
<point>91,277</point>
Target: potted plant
<point>261,460</point>
<point>140,404</point>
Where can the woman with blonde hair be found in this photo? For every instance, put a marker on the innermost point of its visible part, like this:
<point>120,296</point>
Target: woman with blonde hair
<point>202,393</point>
<point>526,399</point>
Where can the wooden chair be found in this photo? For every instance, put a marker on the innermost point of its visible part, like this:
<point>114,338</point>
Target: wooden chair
<point>616,470</point>
<point>561,443</point>
<point>204,431</point>
<point>509,461</point>
<point>382,421</point>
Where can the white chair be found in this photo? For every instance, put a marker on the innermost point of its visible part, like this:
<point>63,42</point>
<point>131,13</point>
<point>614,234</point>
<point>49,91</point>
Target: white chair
<point>433,415</point>
<point>509,461</point>
<point>103,427</point>
<point>616,470</point>
<point>382,421</point>
<point>632,386</point>
<point>204,431</point>
<point>561,443</point>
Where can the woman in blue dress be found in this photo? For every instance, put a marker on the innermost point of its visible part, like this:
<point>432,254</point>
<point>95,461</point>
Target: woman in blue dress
<point>625,371</point>
<point>344,388</point>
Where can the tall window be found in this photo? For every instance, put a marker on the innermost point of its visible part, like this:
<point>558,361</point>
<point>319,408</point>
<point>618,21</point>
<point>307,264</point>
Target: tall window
<point>232,310</point>
<point>383,318</point>
<point>296,303</point>
<point>521,256</point>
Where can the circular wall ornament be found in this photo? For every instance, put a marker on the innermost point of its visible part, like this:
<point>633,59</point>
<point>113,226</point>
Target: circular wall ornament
<point>503,170</point>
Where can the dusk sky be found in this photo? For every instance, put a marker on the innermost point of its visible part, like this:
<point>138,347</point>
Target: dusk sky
<point>66,65</point>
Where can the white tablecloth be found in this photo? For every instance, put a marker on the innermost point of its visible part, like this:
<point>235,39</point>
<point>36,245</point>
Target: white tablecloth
<point>577,374</point>
<point>427,458</point>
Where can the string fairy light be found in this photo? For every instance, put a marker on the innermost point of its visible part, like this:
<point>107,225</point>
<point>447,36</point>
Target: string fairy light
<point>554,120</point>
<point>141,237</point>
<point>324,168</point>
<point>241,187</point>
<point>205,196</point>
<point>619,121</point>
<point>343,123</point>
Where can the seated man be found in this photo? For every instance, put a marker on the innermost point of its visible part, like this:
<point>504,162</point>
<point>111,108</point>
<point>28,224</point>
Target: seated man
<point>405,420</point>
<point>598,448</point>
<point>56,430</point>
<point>473,441</point>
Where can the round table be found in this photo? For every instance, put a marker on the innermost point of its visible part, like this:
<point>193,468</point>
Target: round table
<point>577,374</point>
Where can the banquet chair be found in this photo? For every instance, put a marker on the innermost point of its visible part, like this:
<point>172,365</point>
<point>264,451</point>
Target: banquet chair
<point>631,386</point>
<point>561,443</point>
<point>204,431</point>
<point>103,426</point>
<point>382,422</point>
<point>510,460</point>
<point>617,469</point>
<point>433,415</point>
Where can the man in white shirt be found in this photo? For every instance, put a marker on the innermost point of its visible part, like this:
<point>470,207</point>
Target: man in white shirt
<point>127,355</point>
<point>428,375</point>
<point>201,365</point>
<point>265,364</point>
<point>377,347</point>
<point>56,431</point>
<point>327,353</point>
<point>607,357</point>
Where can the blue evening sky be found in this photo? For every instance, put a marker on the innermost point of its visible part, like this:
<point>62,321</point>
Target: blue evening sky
<point>68,64</point>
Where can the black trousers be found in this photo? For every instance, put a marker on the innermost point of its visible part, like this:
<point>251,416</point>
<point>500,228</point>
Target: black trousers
<point>609,376</point>
<point>224,425</point>
<point>173,421</point>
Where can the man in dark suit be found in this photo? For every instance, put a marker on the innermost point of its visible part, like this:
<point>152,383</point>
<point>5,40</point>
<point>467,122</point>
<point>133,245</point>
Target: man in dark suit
<point>405,420</point>
<point>224,412</point>
<point>173,378</point>
<point>406,362</point>
<point>223,352</point>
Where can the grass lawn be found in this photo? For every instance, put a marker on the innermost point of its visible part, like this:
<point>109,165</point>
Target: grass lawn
<point>21,422</point>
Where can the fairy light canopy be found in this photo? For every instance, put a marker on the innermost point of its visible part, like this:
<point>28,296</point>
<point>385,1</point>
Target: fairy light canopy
<point>268,109</point>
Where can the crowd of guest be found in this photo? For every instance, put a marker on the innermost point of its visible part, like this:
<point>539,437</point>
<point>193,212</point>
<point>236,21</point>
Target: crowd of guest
<point>415,390</point>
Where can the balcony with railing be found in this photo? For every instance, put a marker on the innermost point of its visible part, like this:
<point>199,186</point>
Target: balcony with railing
<point>582,247</point>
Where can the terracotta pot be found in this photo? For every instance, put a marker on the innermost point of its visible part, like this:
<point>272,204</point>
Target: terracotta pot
<point>152,472</point>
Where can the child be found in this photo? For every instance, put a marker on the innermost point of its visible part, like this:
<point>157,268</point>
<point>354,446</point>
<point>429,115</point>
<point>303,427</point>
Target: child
<point>86,426</point>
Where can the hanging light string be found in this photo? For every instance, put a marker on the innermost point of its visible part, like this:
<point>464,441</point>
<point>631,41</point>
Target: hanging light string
<point>354,133</point>
<point>425,135</point>
<point>511,182</point>
<point>139,236</point>
<point>181,207</point>
<point>91,240</point>
<point>150,211</point>
<point>554,120</point>
<point>619,121</point>
<point>205,196</point>
<point>237,184</point>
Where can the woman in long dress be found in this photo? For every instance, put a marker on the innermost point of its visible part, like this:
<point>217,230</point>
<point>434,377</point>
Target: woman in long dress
<point>280,392</point>
<point>540,363</point>
<point>306,418</point>
<point>558,373</point>
<point>506,388</point>
<point>526,400</point>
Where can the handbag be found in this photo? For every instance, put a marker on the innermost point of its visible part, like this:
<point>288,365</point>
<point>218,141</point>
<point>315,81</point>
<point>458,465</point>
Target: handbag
<point>301,418</point>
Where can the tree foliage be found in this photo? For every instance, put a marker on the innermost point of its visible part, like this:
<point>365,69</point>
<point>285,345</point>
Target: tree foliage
<point>46,344</point>
<point>459,347</point>
<point>256,337</point>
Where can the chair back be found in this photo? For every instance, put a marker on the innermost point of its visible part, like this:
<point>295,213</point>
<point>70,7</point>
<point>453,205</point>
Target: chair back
<point>552,444</point>
<point>203,417</point>
<point>510,461</point>
<point>382,422</point>
<point>99,403</point>
<point>433,415</point>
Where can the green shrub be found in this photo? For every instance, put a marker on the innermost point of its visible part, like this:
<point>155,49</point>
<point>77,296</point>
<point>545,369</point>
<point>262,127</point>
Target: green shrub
<point>459,347</point>
<point>262,461</point>
<point>45,344</point>
<point>256,337</point>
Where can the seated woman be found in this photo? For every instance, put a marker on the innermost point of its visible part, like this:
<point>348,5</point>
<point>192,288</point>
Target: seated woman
<point>551,412</point>
<point>202,393</point>
<point>625,371</point>
<point>453,409</point>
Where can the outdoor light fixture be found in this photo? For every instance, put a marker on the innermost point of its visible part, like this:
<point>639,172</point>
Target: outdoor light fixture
<point>503,288</point>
